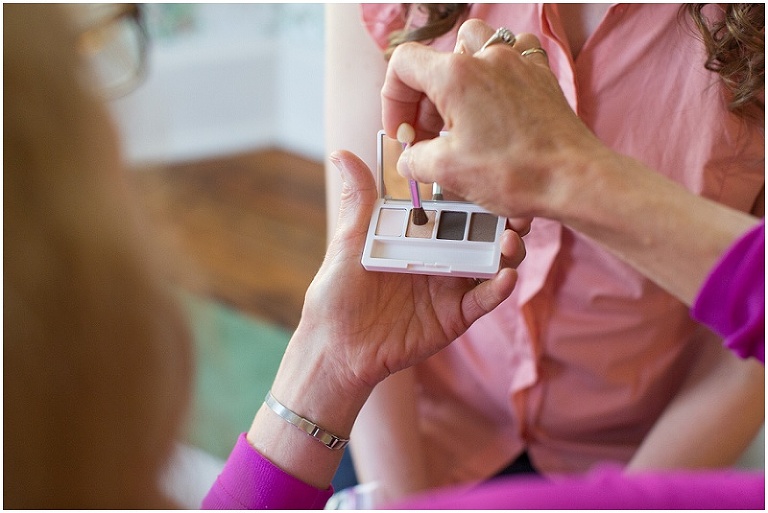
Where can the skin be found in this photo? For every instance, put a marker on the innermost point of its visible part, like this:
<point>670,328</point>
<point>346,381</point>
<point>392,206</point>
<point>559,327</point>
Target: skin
<point>341,351</point>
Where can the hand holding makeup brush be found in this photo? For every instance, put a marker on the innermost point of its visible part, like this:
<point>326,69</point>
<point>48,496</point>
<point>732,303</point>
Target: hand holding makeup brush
<point>517,148</point>
<point>509,124</point>
<point>406,135</point>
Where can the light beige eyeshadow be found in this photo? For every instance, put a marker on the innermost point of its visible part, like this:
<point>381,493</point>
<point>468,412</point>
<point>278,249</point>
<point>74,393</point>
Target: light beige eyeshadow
<point>423,231</point>
<point>391,222</point>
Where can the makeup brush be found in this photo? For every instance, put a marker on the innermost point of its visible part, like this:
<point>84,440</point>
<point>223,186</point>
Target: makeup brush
<point>405,135</point>
<point>437,192</point>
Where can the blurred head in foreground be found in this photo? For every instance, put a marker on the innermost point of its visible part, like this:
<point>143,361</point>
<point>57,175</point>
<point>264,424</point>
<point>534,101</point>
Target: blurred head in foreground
<point>97,356</point>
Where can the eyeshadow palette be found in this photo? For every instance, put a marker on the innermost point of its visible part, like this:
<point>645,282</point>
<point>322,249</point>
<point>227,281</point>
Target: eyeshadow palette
<point>459,238</point>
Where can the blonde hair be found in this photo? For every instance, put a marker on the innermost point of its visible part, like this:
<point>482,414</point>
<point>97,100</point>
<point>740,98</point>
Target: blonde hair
<point>97,356</point>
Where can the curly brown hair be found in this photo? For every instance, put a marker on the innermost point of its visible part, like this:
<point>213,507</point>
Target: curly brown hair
<point>441,18</point>
<point>735,45</point>
<point>735,50</point>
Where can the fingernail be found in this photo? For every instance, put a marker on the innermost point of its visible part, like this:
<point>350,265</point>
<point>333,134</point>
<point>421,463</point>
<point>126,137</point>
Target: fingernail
<point>336,160</point>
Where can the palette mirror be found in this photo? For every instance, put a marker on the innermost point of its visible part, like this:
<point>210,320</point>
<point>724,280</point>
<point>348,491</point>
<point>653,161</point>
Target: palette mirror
<point>395,186</point>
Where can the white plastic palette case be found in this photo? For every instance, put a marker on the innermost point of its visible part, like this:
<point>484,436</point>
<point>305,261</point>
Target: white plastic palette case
<point>460,238</point>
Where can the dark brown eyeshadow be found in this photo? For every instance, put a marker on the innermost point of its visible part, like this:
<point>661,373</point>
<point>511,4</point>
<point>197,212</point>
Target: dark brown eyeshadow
<point>452,225</point>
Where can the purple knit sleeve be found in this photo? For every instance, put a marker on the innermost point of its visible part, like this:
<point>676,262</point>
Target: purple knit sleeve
<point>607,488</point>
<point>251,481</point>
<point>732,301</point>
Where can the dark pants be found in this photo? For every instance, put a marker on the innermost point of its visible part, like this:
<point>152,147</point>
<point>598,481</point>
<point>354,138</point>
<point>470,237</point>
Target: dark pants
<point>521,465</point>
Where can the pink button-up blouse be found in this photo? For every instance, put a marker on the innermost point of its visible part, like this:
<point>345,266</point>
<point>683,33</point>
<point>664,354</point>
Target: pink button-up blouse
<point>579,362</point>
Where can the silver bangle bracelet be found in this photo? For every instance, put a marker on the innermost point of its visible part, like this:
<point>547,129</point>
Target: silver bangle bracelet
<point>331,441</point>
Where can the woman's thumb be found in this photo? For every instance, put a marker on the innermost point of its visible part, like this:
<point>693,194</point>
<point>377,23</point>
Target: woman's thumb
<point>358,193</point>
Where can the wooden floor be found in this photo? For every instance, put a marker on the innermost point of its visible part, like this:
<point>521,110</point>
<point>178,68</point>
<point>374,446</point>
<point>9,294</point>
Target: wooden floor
<point>252,226</point>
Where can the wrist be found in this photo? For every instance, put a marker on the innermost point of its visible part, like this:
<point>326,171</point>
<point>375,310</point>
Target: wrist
<point>584,193</point>
<point>330,440</point>
<point>563,181</point>
<point>312,384</point>
<point>318,384</point>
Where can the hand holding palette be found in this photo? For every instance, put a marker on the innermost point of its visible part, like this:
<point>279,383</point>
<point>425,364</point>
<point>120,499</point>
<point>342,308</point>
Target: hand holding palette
<point>458,239</point>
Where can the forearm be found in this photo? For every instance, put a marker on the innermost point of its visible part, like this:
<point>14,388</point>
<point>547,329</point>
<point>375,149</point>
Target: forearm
<point>669,234</point>
<point>387,447</point>
<point>712,419</point>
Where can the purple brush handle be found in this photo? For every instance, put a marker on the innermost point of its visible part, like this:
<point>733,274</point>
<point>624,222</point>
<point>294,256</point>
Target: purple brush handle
<point>415,198</point>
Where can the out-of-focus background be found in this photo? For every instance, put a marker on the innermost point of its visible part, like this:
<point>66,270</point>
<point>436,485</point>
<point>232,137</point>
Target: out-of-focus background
<point>228,78</point>
<point>225,138</point>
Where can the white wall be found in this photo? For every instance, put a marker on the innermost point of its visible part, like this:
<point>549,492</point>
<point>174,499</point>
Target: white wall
<point>228,78</point>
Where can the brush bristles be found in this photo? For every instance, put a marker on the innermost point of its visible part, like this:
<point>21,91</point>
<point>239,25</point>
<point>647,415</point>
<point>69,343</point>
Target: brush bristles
<point>419,217</point>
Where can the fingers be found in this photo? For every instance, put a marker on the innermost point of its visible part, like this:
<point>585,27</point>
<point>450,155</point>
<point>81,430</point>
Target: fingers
<point>528,42</point>
<point>428,162</point>
<point>419,78</point>
<point>522,225</point>
<point>512,249</point>
<point>429,122</point>
<point>472,35</point>
<point>488,295</point>
<point>414,74</point>
<point>358,192</point>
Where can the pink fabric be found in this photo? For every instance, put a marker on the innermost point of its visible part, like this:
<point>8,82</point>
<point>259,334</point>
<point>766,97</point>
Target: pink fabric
<point>579,362</point>
<point>250,481</point>
<point>732,300</point>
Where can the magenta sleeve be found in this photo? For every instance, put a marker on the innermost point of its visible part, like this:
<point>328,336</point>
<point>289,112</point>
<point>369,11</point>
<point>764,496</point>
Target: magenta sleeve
<point>732,300</point>
<point>608,488</point>
<point>251,481</point>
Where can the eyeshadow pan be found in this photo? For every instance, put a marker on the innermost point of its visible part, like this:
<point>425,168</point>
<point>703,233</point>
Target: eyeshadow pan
<point>452,225</point>
<point>390,222</point>
<point>423,231</point>
<point>482,227</point>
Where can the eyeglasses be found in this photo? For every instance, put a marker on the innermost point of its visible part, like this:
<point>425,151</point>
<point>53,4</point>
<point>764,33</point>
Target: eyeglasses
<point>114,41</point>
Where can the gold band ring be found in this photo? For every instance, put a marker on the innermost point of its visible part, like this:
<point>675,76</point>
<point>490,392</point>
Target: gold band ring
<point>531,51</point>
<point>502,35</point>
